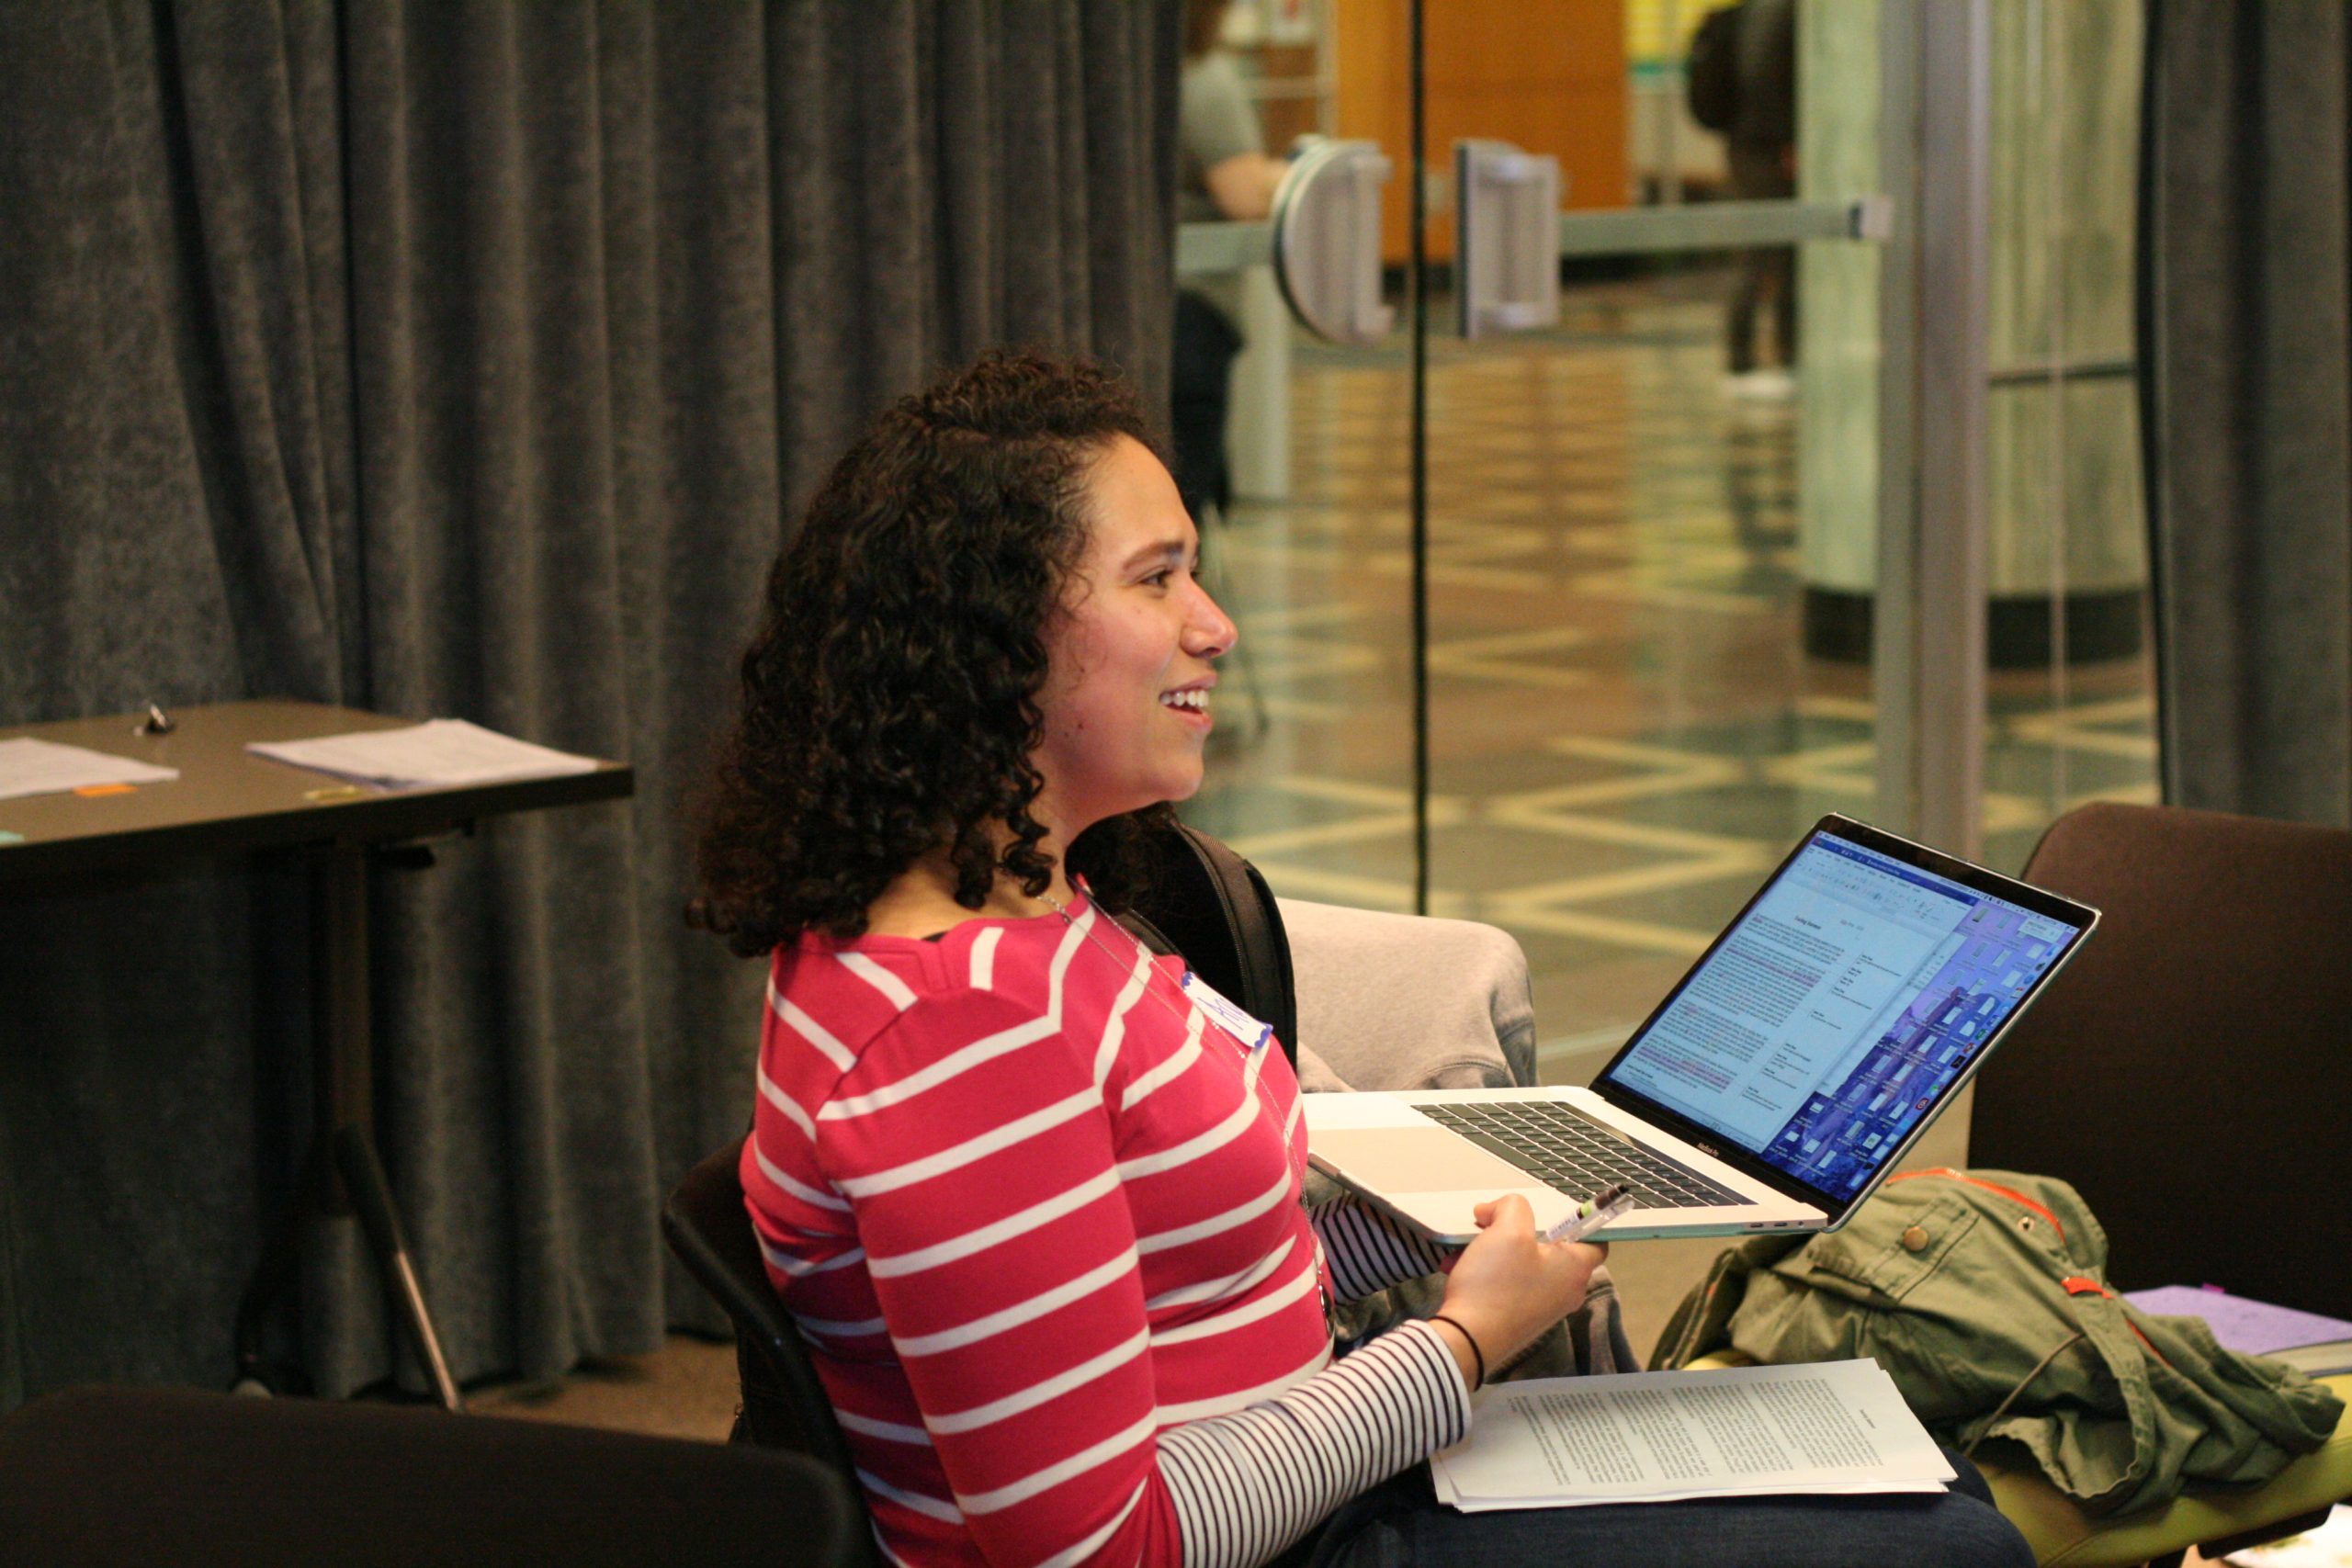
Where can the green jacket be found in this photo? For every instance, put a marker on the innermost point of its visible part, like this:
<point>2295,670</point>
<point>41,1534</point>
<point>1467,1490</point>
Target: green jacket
<point>1984,1295</point>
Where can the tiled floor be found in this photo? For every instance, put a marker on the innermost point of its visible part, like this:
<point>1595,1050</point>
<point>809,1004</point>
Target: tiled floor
<point>1625,731</point>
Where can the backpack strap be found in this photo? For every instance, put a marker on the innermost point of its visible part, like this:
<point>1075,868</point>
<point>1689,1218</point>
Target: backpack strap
<point>1213,906</point>
<point>1261,948</point>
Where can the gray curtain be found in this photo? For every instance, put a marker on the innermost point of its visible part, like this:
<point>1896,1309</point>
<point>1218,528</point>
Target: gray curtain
<point>467,361</point>
<point>2245,298</point>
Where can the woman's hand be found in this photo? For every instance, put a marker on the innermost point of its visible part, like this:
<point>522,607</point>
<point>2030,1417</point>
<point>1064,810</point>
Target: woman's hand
<point>1510,1285</point>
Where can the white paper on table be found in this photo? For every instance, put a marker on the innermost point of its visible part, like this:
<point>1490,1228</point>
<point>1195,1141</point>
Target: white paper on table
<point>44,767</point>
<point>1735,1431</point>
<point>440,752</point>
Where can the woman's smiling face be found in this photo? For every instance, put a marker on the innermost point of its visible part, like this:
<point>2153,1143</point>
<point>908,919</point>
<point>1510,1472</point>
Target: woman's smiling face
<point>1125,701</point>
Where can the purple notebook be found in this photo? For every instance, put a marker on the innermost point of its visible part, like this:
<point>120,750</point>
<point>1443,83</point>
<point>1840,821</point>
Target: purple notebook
<point>2241,1323</point>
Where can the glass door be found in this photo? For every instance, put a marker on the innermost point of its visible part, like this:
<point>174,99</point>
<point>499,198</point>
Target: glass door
<point>1574,598</point>
<point>1590,685</point>
<point>1651,521</point>
<point>1312,771</point>
<point>2071,686</point>
<point>1667,589</point>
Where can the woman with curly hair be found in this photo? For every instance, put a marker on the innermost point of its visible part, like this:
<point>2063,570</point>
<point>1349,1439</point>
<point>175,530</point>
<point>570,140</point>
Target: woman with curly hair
<point>1035,1210</point>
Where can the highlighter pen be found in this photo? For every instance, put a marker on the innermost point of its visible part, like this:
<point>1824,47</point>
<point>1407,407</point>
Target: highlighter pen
<point>1592,1213</point>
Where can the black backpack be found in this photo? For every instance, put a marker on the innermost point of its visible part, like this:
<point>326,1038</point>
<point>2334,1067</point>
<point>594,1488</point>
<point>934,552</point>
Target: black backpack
<point>1711,76</point>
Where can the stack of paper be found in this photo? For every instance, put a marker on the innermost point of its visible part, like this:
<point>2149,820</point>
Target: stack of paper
<point>44,767</point>
<point>1834,1427</point>
<point>2320,1346</point>
<point>440,753</point>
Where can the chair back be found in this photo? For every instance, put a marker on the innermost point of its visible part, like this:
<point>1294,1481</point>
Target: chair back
<point>96,1476</point>
<point>785,1405</point>
<point>2191,1073</point>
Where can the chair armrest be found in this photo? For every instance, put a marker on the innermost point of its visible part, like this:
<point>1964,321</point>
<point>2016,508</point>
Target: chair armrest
<point>2203,1515</point>
<point>1408,1001</point>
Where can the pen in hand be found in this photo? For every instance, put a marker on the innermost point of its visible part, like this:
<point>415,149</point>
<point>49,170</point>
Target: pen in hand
<point>1592,1213</point>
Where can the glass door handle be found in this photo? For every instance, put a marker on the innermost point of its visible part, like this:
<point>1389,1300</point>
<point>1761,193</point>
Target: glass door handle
<point>1506,239</point>
<point>1327,241</point>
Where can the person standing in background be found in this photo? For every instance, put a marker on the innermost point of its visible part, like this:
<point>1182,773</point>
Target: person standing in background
<point>1760,136</point>
<point>1222,175</point>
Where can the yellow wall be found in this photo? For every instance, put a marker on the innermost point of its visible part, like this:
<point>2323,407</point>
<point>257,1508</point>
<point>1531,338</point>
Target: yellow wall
<point>1647,35</point>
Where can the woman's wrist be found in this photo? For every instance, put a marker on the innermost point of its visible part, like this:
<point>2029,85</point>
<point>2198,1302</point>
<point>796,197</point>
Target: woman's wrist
<point>1468,1357</point>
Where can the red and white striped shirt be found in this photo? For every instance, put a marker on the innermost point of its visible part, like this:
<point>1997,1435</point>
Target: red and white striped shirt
<point>1039,1217</point>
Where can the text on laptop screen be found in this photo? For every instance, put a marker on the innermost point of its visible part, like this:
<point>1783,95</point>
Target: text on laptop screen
<point>1828,1019</point>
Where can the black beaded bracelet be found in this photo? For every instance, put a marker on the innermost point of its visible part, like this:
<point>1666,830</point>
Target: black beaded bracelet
<point>1476,1354</point>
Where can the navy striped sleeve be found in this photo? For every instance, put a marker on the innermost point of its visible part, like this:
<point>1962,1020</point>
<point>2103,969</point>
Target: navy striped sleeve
<point>1246,1486</point>
<point>1368,1250</point>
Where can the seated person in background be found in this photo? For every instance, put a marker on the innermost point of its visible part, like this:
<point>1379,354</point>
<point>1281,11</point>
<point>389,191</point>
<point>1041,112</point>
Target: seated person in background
<point>1223,175</point>
<point>1037,1215</point>
<point>1223,169</point>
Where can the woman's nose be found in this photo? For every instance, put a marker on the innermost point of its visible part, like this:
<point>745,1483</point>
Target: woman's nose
<point>1210,632</point>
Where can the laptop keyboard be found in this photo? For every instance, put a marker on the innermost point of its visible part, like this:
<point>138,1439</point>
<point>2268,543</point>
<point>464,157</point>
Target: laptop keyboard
<point>1575,1154</point>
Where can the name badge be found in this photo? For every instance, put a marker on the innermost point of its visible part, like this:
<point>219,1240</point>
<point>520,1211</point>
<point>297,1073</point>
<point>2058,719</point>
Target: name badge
<point>1249,1032</point>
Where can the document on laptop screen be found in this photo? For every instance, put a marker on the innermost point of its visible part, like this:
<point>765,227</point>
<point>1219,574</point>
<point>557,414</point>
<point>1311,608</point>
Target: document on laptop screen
<point>1854,989</point>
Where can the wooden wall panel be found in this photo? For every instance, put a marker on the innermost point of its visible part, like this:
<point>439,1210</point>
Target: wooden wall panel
<point>1548,75</point>
<point>1285,119</point>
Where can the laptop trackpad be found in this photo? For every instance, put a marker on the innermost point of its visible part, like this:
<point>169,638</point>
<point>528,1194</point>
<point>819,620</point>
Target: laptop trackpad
<point>1417,1159</point>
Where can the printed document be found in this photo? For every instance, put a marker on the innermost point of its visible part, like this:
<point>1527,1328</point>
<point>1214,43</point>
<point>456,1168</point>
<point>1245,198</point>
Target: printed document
<point>1833,1426</point>
<point>44,767</point>
<point>440,753</point>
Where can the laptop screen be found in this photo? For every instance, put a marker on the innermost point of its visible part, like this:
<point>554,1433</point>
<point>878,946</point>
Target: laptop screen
<point>1837,1010</point>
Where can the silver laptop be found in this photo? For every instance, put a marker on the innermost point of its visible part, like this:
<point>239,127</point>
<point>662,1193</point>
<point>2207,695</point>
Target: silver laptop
<point>1778,1082</point>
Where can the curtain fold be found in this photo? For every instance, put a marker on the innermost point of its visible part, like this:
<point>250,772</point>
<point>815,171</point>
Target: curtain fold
<point>467,361</point>
<point>2245,312</point>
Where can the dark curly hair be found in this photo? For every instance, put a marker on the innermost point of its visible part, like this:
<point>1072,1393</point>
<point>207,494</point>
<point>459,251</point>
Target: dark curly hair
<point>889,695</point>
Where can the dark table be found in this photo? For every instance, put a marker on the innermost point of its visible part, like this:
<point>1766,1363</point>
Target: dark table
<point>225,802</point>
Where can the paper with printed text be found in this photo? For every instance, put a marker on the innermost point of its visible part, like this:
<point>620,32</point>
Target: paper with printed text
<point>1836,1427</point>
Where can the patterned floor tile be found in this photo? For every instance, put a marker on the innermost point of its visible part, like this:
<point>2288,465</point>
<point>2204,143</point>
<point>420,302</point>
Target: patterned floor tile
<point>1625,731</point>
